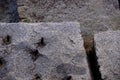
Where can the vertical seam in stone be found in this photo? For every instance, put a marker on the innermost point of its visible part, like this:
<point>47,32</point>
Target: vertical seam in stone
<point>92,60</point>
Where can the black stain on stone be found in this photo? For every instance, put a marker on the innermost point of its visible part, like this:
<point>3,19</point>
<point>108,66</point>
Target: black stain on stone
<point>3,69</point>
<point>2,62</point>
<point>67,78</point>
<point>119,3</point>
<point>35,54</point>
<point>6,40</point>
<point>37,77</point>
<point>41,42</point>
<point>66,68</point>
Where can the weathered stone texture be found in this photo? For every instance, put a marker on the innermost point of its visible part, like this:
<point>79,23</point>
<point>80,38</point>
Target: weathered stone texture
<point>93,15</point>
<point>59,55</point>
<point>108,52</point>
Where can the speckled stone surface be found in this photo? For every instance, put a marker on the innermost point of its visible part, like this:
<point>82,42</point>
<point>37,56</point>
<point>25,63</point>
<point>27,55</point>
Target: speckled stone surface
<point>108,52</point>
<point>94,15</point>
<point>44,51</point>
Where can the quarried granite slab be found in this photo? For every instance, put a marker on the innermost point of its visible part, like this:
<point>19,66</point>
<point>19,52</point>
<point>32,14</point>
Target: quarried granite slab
<point>108,52</point>
<point>42,51</point>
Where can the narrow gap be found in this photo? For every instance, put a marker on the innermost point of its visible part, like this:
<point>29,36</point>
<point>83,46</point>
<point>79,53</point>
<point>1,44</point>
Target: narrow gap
<point>92,58</point>
<point>119,3</point>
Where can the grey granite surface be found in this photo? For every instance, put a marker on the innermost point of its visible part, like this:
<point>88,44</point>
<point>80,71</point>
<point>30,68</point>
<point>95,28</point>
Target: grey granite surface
<point>44,51</point>
<point>107,46</point>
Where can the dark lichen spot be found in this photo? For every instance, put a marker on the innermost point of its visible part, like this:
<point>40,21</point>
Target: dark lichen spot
<point>37,77</point>
<point>2,62</point>
<point>6,40</point>
<point>67,78</point>
<point>65,68</point>
<point>41,43</point>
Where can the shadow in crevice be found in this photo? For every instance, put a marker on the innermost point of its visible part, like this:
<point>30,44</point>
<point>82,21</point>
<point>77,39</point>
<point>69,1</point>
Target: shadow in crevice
<point>119,3</point>
<point>92,59</point>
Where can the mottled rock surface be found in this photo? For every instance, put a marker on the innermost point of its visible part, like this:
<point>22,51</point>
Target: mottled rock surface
<point>44,51</point>
<point>108,52</point>
<point>93,15</point>
<point>8,11</point>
